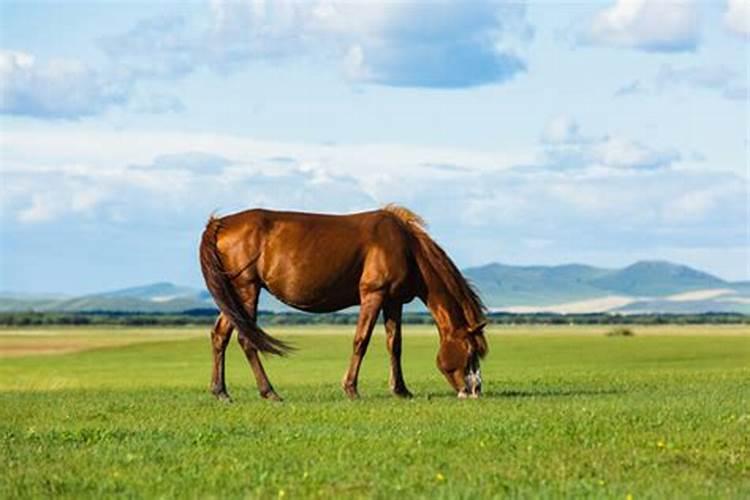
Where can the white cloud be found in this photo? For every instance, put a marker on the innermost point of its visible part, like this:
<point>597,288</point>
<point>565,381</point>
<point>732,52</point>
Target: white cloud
<point>711,77</point>
<point>567,148</point>
<point>53,195</point>
<point>697,203</point>
<point>188,173</point>
<point>440,44</point>
<point>126,176</point>
<point>55,89</point>
<point>157,104</point>
<point>561,130</point>
<point>631,88</point>
<point>444,44</point>
<point>623,153</point>
<point>651,25</point>
<point>162,47</point>
<point>40,209</point>
<point>354,64</point>
<point>728,82</point>
<point>737,17</point>
<point>664,205</point>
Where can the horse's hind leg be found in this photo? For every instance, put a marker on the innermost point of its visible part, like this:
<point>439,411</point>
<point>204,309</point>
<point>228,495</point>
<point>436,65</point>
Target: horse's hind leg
<point>250,298</point>
<point>392,317</point>
<point>220,336</point>
<point>264,385</point>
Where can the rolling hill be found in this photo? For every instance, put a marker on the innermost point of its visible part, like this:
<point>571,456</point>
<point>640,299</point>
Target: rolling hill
<point>647,286</point>
<point>656,278</point>
<point>502,285</point>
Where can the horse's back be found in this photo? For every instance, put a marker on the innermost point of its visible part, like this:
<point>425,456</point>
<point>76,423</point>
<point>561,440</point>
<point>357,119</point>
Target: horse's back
<point>346,230</point>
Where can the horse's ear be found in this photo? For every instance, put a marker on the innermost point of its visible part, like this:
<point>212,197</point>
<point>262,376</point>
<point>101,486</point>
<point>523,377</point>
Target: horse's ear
<point>478,327</point>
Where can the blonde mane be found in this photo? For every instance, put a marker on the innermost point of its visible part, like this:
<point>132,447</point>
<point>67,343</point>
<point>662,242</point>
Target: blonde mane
<point>406,216</point>
<point>444,268</point>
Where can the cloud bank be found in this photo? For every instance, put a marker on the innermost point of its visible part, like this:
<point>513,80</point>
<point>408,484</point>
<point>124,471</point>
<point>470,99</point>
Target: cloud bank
<point>439,44</point>
<point>599,185</point>
<point>443,44</point>
<point>650,25</point>
<point>727,82</point>
<point>737,17</point>
<point>55,89</point>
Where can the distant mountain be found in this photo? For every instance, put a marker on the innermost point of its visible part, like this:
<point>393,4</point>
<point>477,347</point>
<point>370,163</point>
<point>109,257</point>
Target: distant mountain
<point>503,285</point>
<point>647,286</point>
<point>26,303</point>
<point>93,303</point>
<point>656,278</point>
<point>156,292</point>
<point>156,297</point>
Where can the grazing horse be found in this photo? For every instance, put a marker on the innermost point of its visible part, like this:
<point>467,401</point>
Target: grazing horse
<point>379,260</point>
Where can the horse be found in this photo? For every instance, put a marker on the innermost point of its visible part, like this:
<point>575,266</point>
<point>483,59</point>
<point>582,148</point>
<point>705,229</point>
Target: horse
<point>319,263</point>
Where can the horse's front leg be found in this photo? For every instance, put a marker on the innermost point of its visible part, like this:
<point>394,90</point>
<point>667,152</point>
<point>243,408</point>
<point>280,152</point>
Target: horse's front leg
<point>371,302</point>
<point>392,317</point>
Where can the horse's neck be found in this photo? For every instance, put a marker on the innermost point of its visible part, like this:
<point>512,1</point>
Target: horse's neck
<point>445,309</point>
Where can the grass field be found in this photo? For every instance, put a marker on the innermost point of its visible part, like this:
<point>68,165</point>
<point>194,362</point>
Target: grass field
<point>567,412</point>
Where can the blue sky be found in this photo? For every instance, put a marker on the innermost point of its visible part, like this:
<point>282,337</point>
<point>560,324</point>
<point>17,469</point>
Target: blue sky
<point>527,133</point>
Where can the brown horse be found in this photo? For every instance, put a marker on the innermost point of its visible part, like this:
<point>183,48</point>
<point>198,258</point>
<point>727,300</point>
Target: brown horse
<point>378,260</point>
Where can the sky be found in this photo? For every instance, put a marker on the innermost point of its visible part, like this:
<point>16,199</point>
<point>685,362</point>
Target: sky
<point>545,132</point>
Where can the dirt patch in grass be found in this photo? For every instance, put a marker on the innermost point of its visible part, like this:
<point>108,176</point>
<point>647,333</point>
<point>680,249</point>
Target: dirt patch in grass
<point>11,349</point>
<point>20,346</point>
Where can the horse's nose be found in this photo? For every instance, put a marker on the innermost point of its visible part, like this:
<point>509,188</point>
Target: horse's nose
<point>473,381</point>
<point>477,389</point>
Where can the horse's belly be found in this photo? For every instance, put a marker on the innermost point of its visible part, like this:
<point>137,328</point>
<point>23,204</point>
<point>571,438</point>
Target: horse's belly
<point>315,298</point>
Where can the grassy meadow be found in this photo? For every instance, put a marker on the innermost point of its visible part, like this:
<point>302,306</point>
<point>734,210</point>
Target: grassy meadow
<point>567,411</point>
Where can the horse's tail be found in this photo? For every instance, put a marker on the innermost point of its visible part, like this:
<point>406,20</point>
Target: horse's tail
<point>219,283</point>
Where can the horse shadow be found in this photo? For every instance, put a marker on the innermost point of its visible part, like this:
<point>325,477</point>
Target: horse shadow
<point>327,393</point>
<point>531,393</point>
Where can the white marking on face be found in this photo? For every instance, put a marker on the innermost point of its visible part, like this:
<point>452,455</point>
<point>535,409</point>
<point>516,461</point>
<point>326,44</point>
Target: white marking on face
<point>473,381</point>
<point>478,379</point>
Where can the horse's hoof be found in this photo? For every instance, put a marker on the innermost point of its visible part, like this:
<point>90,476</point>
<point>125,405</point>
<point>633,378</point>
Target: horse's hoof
<point>403,393</point>
<point>271,396</point>
<point>351,393</point>
<point>223,397</point>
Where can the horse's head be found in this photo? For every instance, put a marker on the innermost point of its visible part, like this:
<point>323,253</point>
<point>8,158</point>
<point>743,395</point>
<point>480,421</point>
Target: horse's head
<point>458,359</point>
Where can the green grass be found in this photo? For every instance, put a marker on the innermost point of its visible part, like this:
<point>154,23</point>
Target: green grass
<point>659,415</point>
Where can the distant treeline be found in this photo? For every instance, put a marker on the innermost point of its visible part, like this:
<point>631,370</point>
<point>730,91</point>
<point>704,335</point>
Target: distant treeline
<point>207,317</point>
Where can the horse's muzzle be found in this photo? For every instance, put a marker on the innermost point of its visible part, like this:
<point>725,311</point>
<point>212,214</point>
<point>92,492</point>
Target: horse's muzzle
<point>472,380</point>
